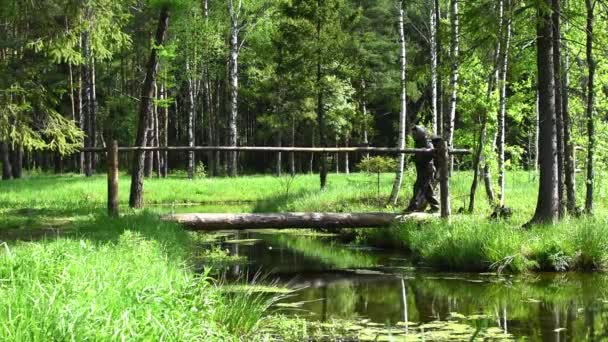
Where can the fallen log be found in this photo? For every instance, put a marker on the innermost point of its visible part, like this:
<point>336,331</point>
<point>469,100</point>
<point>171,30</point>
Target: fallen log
<point>210,222</point>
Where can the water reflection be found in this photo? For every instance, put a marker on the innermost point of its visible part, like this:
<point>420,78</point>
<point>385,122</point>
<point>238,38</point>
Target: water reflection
<point>341,282</point>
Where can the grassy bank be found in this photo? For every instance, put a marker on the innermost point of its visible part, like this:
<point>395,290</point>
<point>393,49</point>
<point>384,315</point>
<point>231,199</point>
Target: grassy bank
<point>116,279</point>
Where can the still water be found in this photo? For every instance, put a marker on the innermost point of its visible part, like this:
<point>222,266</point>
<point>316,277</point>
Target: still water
<point>381,288</point>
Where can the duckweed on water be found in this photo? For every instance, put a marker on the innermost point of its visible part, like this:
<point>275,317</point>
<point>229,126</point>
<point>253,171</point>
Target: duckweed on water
<point>457,328</point>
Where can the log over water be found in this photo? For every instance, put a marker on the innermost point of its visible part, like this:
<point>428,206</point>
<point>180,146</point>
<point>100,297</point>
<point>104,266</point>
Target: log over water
<point>208,222</point>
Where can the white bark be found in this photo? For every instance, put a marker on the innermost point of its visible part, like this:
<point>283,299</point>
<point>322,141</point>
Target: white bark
<point>234,84</point>
<point>454,55</point>
<point>191,122</point>
<point>403,114</point>
<point>434,79</point>
<point>503,102</point>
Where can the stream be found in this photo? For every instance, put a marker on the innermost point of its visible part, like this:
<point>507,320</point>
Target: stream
<point>375,290</point>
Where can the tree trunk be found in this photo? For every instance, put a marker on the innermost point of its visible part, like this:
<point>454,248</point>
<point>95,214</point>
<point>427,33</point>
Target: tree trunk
<point>437,53</point>
<point>478,157</point>
<point>589,4</point>
<point>292,220</point>
<point>87,103</point>
<point>234,86</point>
<point>149,161</point>
<point>346,156</point>
<point>403,115</point>
<point>292,156</point>
<point>537,132</point>
<point>569,165</point>
<point>191,122</point>
<point>147,92</point>
<point>165,142</point>
<point>434,77</point>
<point>337,155</point>
<point>7,172</point>
<point>93,114</point>
<point>504,59</point>
<point>320,109</point>
<point>157,131</point>
<point>17,162</point>
<point>279,160</point>
<point>559,123</point>
<point>448,129</point>
<point>364,110</point>
<point>547,207</point>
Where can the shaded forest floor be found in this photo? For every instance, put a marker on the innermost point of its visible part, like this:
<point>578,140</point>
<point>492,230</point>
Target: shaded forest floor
<point>89,276</point>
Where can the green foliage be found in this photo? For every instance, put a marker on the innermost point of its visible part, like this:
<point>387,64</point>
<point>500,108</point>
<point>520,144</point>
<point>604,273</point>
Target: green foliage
<point>200,170</point>
<point>377,164</point>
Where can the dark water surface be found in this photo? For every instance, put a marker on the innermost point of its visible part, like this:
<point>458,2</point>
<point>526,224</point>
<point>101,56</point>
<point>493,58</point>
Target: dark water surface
<point>338,281</point>
<point>382,288</point>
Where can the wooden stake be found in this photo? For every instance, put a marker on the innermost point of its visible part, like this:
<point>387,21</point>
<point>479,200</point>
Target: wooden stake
<point>113,179</point>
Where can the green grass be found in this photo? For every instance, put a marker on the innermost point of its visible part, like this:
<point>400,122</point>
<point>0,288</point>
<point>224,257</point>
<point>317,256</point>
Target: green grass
<point>117,279</point>
<point>132,277</point>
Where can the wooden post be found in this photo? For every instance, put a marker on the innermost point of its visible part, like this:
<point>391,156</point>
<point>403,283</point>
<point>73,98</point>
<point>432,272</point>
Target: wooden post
<point>443,161</point>
<point>113,179</point>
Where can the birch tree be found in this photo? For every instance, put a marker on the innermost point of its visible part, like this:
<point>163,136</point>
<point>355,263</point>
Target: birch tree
<point>504,58</point>
<point>403,113</point>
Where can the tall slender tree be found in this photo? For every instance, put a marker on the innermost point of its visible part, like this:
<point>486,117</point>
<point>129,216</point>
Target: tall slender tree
<point>502,111</point>
<point>559,123</point>
<point>449,120</point>
<point>434,66</point>
<point>403,113</point>
<point>145,109</point>
<point>235,11</point>
<point>590,6</point>
<point>569,167</point>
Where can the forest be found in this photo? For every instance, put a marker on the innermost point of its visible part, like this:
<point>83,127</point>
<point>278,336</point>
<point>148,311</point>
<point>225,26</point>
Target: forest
<point>517,91</point>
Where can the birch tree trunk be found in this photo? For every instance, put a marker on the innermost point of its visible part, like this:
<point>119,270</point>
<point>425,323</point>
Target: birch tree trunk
<point>448,129</point>
<point>434,77</point>
<point>589,4</point>
<point>403,115</point>
<point>234,85</point>
<point>346,155</point>
<point>504,59</point>
<point>145,107</point>
<point>364,111</point>
<point>337,156</point>
<point>437,53</point>
<point>547,207</point>
<point>191,122</point>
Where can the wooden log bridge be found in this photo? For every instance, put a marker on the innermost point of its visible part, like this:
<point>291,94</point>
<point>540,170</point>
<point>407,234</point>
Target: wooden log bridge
<point>210,222</point>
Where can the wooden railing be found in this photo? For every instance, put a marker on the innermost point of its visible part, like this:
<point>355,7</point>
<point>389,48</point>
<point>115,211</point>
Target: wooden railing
<point>441,153</point>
